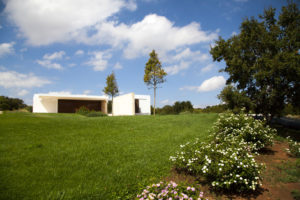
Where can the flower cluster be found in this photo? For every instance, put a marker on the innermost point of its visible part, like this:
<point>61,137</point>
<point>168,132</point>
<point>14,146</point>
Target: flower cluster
<point>228,165</point>
<point>294,147</point>
<point>226,160</point>
<point>170,190</point>
<point>252,131</point>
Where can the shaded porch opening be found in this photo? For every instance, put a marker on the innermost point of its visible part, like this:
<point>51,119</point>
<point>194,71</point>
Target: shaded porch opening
<point>70,106</point>
<point>137,106</point>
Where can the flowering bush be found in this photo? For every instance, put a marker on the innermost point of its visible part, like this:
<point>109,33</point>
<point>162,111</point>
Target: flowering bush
<point>294,147</point>
<point>169,191</point>
<point>227,165</point>
<point>252,131</point>
<point>227,160</point>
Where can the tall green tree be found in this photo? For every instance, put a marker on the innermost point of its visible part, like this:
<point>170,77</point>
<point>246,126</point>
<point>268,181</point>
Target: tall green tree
<point>263,59</point>
<point>111,88</point>
<point>234,99</point>
<point>154,74</point>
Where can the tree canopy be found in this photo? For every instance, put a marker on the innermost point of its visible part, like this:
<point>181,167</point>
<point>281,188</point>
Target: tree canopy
<point>263,59</point>
<point>7,103</point>
<point>111,88</point>
<point>154,74</point>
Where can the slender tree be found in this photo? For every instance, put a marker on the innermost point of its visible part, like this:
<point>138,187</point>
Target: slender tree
<point>263,60</point>
<point>111,88</point>
<point>154,74</point>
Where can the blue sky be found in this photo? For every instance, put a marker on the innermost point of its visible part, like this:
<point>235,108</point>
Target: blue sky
<point>70,46</point>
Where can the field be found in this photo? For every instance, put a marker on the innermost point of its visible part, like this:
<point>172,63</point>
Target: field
<point>68,156</point>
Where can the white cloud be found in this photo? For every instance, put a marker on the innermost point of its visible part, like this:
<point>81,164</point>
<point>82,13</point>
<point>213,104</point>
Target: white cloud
<point>207,68</point>
<point>118,66</point>
<point>72,65</point>
<point>48,58</point>
<point>166,102</point>
<point>99,60</point>
<point>13,79</point>
<point>23,50</point>
<point>47,21</point>
<point>233,33</point>
<point>175,69</point>
<point>54,56</point>
<point>153,32</point>
<point>185,54</point>
<point>22,92</point>
<point>79,52</point>
<point>6,48</point>
<point>86,92</point>
<point>48,64</point>
<point>211,84</point>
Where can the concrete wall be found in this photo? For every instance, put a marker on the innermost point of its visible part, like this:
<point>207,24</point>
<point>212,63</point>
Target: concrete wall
<point>123,105</point>
<point>144,104</point>
<point>44,105</point>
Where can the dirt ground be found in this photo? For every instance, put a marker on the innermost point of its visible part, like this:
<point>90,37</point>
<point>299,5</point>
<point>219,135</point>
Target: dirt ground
<point>272,189</point>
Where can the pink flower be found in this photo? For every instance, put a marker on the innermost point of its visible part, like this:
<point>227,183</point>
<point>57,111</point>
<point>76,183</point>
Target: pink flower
<point>188,188</point>
<point>193,189</point>
<point>142,198</point>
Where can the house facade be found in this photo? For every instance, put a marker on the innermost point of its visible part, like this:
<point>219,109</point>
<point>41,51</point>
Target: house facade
<point>48,103</point>
<point>128,104</point>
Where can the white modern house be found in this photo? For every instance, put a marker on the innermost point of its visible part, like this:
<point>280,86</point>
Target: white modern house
<point>128,104</point>
<point>131,104</point>
<point>55,103</point>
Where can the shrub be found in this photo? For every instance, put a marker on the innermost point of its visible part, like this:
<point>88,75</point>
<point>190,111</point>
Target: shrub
<point>226,160</point>
<point>228,165</point>
<point>89,113</point>
<point>82,110</point>
<point>170,190</point>
<point>252,131</point>
<point>294,147</point>
<point>96,114</point>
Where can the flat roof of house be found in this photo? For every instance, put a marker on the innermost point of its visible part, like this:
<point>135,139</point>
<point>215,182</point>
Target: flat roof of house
<point>73,96</point>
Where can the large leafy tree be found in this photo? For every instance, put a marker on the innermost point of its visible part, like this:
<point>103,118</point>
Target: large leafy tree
<point>154,74</point>
<point>111,88</point>
<point>263,59</point>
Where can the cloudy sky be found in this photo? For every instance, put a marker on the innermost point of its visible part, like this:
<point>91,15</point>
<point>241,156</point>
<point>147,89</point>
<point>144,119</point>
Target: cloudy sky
<point>70,46</point>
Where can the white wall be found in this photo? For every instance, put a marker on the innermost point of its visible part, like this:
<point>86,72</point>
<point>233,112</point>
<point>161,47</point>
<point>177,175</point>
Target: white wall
<point>144,103</point>
<point>124,105</point>
<point>44,105</point>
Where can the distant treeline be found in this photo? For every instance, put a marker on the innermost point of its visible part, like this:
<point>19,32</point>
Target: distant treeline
<point>7,103</point>
<point>185,107</point>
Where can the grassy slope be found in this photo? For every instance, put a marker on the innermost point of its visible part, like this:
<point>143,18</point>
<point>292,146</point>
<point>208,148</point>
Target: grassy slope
<point>63,155</point>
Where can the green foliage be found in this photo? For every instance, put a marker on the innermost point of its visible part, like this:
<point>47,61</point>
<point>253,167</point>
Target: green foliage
<point>96,114</point>
<point>170,190</point>
<point>245,128</point>
<point>177,108</point>
<point>28,108</point>
<point>212,109</point>
<point>154,73</point>
<point>235,100</point>
<point>263,60</point>
<point>296,194</point>
<point>294,147</point>
<point>226,160</point>
<point>111,88</point>
<point>83,110</point>
<point>7,103</point>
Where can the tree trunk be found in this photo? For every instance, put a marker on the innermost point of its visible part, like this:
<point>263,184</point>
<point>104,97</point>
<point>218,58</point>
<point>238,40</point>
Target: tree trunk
<point>154,100</point>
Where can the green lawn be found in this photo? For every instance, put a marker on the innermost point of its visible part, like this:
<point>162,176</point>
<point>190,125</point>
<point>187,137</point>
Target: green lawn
<point>68,156</point>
